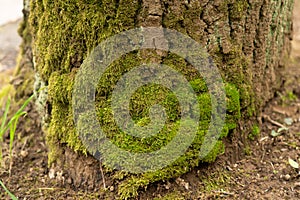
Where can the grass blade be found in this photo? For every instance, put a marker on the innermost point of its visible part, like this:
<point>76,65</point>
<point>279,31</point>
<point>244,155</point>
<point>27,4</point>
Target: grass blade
<point>4,128</point>
<point>13,197</point>
<point>24,105</point>
<point>12,136</point>
<point>13,127</point>
<point>4,118</point>
<point>12,124</point>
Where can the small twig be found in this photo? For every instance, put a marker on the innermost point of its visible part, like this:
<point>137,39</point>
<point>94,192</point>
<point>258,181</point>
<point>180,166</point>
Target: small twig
<point>23,146</point>
<point>224,192</point>
<point>102,174</point>
<point>263,156</point>
<point>240,184</point>
<point>279,111</point>
<point>10,166</point>
<point>273,122</point>
<point>40,189</point>
<point>272,165</point>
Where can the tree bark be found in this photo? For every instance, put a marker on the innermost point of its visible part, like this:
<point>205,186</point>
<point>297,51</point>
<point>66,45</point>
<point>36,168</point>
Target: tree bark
<point>248,41</point>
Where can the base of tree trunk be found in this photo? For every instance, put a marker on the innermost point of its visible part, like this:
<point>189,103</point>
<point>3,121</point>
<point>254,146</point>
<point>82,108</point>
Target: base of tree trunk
<point>249,42</point>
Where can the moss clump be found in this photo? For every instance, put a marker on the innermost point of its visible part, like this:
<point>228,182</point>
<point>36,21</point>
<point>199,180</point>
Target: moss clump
<point>76,28</point>
<point>254,133</point>
<point>247,150</point>
<point>171,196</point>
<point>235,112</point>
<point>215,181</point>
<point>192,157</point>
<point>238,9</point>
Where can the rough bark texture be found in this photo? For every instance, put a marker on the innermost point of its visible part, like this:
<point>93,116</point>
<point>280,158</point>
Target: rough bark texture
<point>249,41</point>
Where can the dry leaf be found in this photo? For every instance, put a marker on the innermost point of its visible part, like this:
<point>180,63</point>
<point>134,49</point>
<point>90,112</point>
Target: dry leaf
<point>293,163</point>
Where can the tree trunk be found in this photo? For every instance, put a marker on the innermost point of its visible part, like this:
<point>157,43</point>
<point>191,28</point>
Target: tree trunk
<point>248,41</point>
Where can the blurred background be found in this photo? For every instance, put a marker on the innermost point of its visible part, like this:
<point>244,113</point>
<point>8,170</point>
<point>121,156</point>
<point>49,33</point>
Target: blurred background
<point>10,17</point>
<point>10,10</point>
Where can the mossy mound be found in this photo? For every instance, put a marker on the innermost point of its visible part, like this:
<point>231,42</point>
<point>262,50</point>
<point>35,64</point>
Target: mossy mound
<point>66,32</point>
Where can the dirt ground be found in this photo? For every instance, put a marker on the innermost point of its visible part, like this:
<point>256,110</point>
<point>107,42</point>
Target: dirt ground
<point>266,173</point>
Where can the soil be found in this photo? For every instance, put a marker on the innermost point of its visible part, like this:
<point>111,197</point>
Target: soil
<point>267,171</point>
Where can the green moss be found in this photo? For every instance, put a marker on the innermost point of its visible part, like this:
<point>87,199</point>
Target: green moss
<point>233,105</point>
<point>238,9</point>
<point>61,131</point>
<point>61,126</point>
<point>287,97</point>
<point>254,133</point>
<point>130,188</point>
<point>61,87</point>
<point>198,85</point>
<point>215,181</point>
<point>247,150</point>
<point>290,96</point>
<point>76,28</point>
<point>192,157</point>
<point>172,196</point>
<point>218,149</point>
